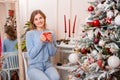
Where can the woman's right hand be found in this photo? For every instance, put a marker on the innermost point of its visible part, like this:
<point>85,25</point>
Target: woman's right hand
<point>42,38</point>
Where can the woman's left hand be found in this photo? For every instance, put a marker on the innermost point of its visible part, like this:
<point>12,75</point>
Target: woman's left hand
<point>49,37</point>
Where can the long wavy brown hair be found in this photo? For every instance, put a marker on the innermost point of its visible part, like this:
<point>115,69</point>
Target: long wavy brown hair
<point>12,34</point>
<point>34,13</point>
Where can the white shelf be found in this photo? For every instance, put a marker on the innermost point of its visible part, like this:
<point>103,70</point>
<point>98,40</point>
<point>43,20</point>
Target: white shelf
<point>66,46</point>
<point>64,68</point>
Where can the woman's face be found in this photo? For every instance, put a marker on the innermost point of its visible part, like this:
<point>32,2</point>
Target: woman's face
<point>39,21</point>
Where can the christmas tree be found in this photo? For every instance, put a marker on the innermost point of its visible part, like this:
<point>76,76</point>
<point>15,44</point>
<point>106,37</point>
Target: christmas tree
<point>11,20</point>
<point>97,54</point>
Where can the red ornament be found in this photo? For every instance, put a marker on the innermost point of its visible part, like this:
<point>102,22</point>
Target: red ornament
<point>83,31</point>
<point>96,22</point>
<point>83,50</point>
<point>109,51</point>
<point>108,20</point>
<point>11,12</point>
<point>78,75</point>
<point>46,35</point>
<point>98,34</point>
<point>100,62</point>
<point>90,23</point>
<point>90,8</point>
<point>96,40</point>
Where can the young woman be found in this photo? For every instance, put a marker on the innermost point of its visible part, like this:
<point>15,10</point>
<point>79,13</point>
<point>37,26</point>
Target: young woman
<point>40,47</point>
<point>8,44</point>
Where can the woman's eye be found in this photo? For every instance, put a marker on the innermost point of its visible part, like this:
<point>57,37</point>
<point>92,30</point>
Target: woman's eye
<point>41,18</point>
<point>36,19</point>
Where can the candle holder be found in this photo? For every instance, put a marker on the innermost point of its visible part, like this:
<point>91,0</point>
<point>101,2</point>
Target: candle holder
<point>73,35</point>
<point>65,37</point>
<point>69,37</point>
<point>66,41</point>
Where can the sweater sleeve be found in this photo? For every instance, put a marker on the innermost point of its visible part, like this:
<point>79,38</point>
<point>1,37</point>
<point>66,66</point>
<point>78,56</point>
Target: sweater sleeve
<point>52,46</point>
<point>3,46</point>
<point>32,49</point>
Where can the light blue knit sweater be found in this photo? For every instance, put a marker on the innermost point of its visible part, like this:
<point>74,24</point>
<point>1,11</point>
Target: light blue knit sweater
<point>9,45</point>
<point>39,51</point>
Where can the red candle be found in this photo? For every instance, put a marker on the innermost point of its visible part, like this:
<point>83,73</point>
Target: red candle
<point>69,29</point>
<point>73,31</point>
<point>0,46</point>
<point>65,24</point>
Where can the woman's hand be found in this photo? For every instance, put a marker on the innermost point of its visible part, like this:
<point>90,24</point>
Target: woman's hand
<point>49,37</point>
<point>42,38</point>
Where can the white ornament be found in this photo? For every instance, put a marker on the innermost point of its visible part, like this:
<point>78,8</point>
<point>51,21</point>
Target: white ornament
<point>97,31</point>
<point>117,20</point>
<point>101,43</point>
<point>94,53</point>
<point>73,58</point>
<point>91,35</point>
<point>112,36</point>
<point>114,47</point>
<point>110,14</point>
<point>113,61</point>
<point>114,50</point>
<point>100,6</point>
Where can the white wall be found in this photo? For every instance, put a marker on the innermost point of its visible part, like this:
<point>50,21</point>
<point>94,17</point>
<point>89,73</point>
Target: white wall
<point>70,8</point>
<point>2,15</point>
<point>23,13</point>
<point>48,7</point>
<point>55,11</point>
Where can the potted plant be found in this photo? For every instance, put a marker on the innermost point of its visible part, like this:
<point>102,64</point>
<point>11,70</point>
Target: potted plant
<point>23,42</point>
